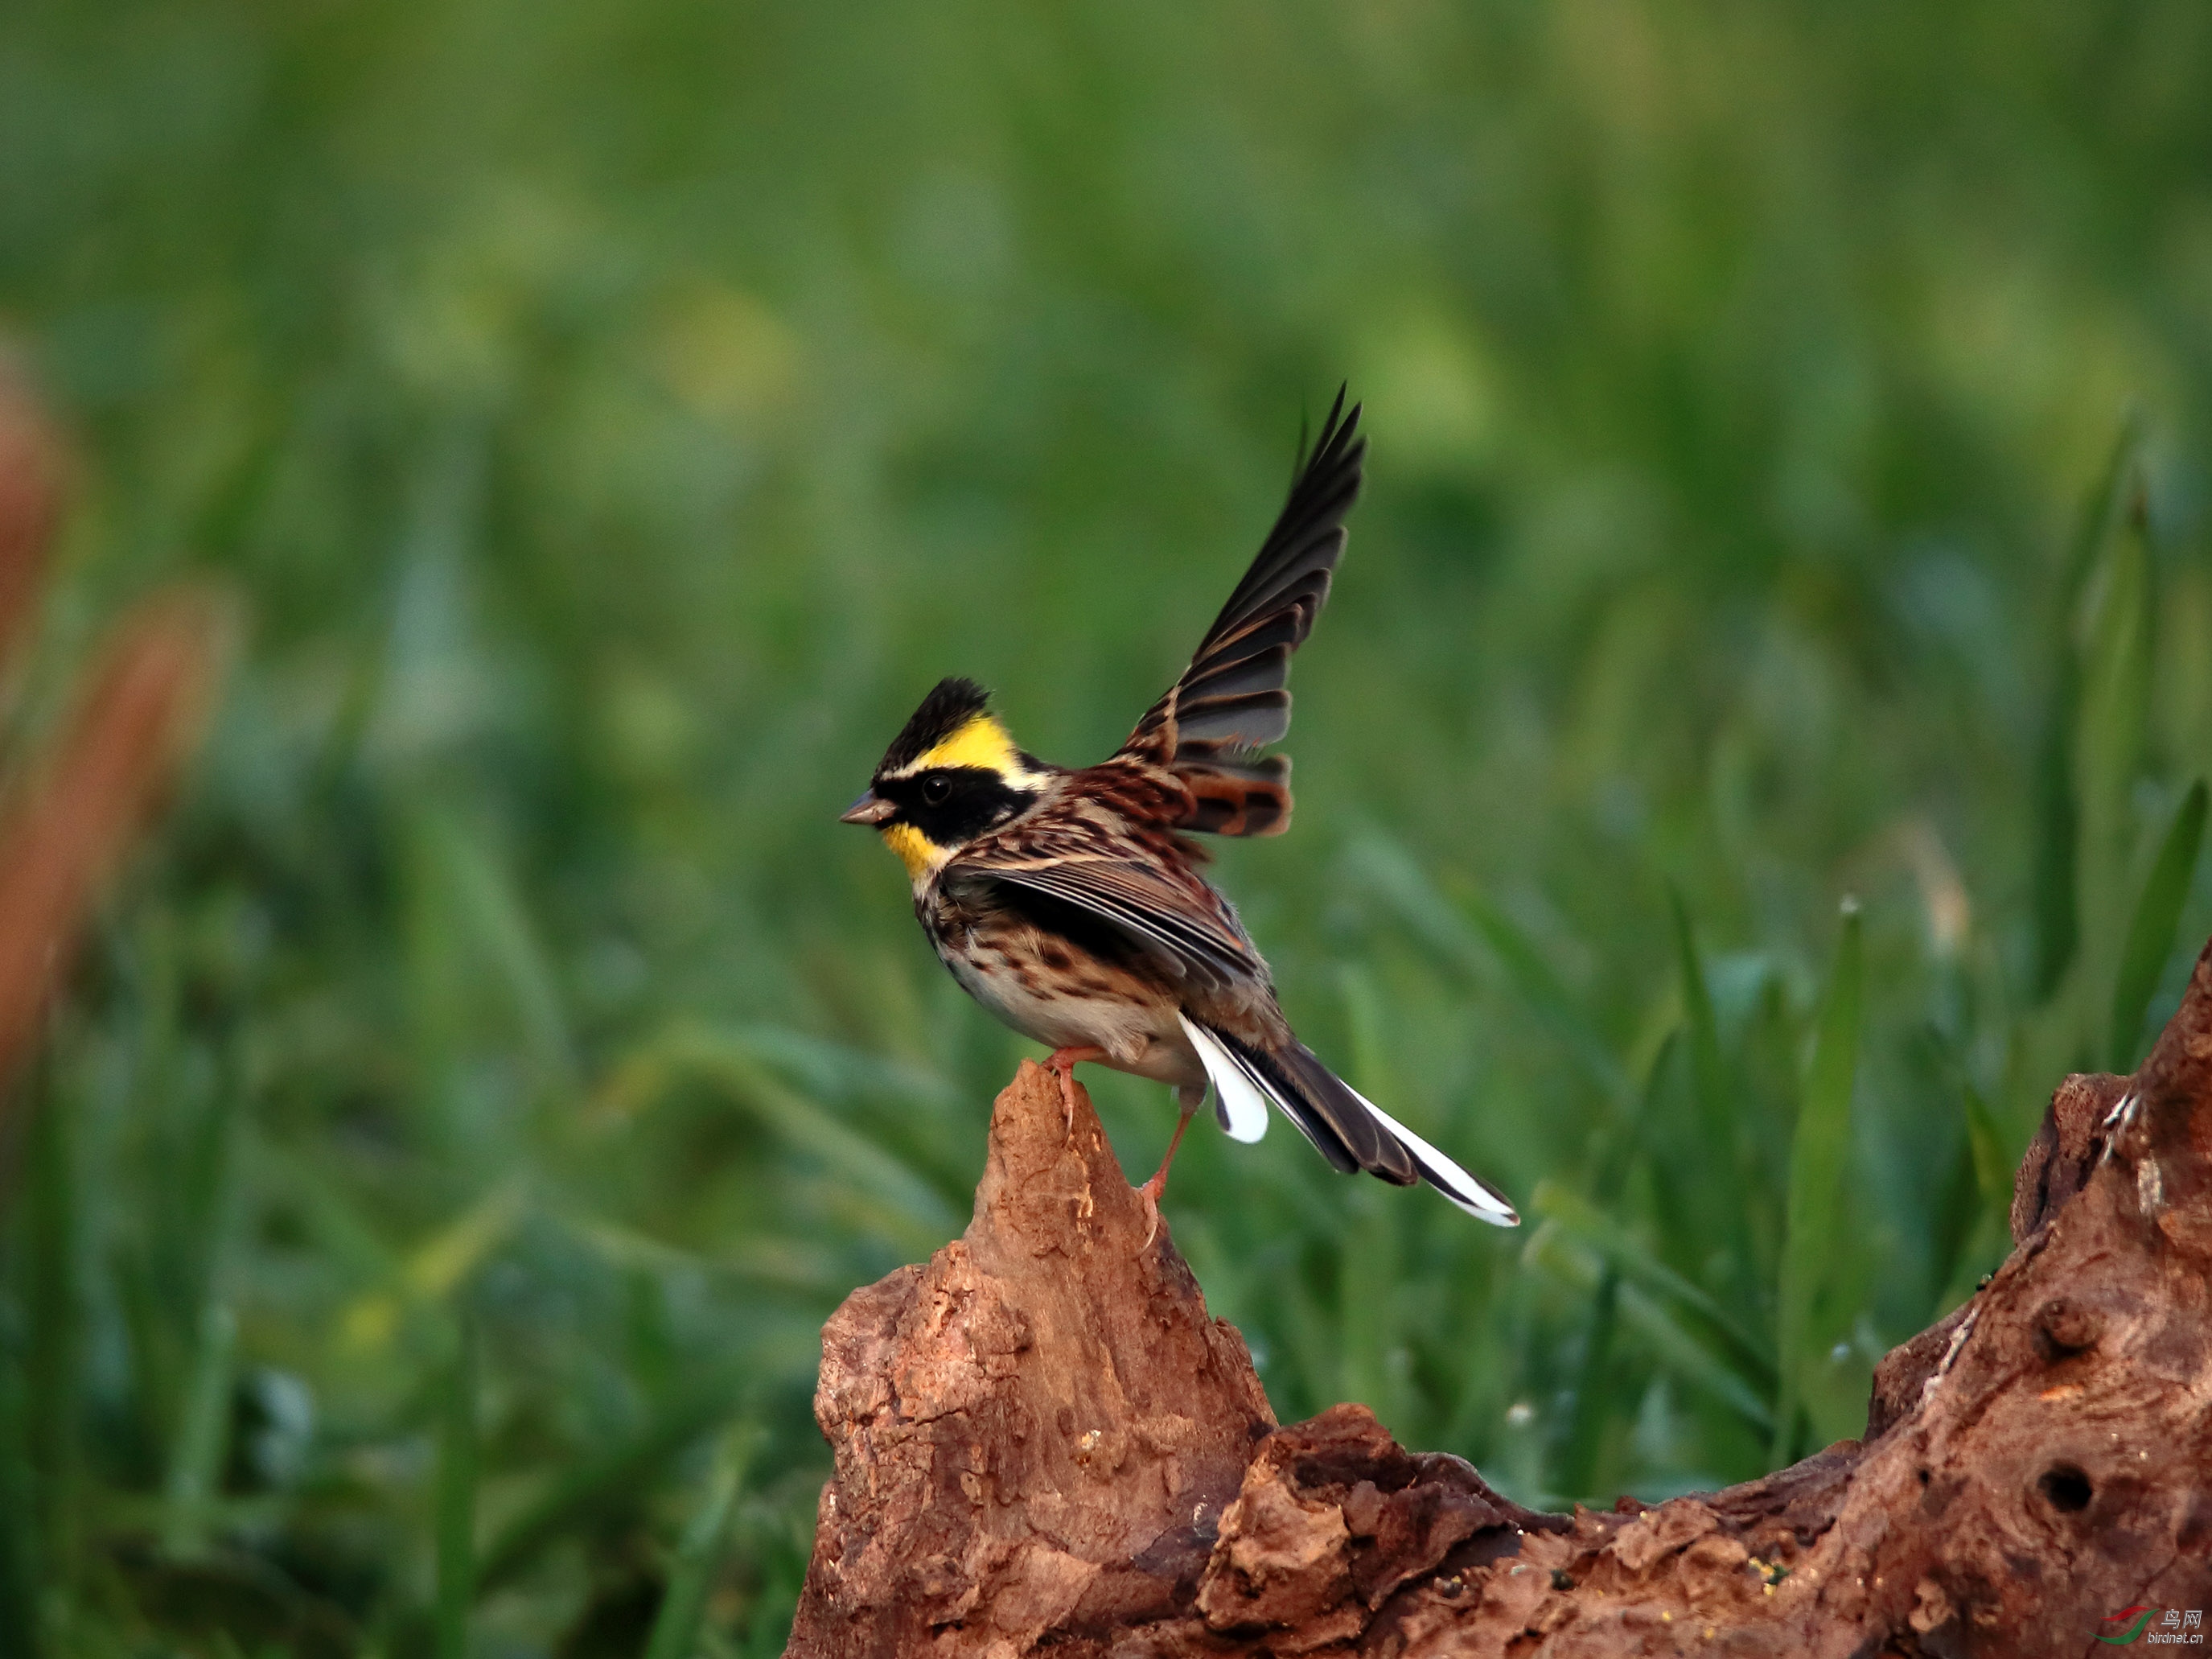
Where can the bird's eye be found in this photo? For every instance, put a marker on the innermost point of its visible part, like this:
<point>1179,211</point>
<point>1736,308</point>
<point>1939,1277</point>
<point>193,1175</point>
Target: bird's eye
<point>936,789</point>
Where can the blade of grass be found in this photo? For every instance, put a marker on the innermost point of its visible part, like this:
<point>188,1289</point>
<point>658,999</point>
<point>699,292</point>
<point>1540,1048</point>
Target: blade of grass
<point>211,1184</point>
<point>496,917</point>
<point>195,1468</point>
<point>1986,1234</point>
<point>1993,1171</point>
<point>1818,1152</point>
<point>778,1556</point>
<point>1634,1261</point>
<point>803,1266</point>
<point>1715,1099</point>
<point>1989,1236</point>
<point>2054,896</point>
<point>1618,1143</point>
<point>1308,1363</point>
<point>840,1072</point>
<point>1681,1353</point>
<point>705,1543</point>
<point>573,1497</point>
<point>910,1209</point>
<point>1677,1350</point>
<point>19,1613</point>
<point>1544,992</point>
<point>2101,510</point>
<point>1706,1068</point>
<point>2111,738</point>
<point>2151,929</point>
<point>53,1384</point>
<point>27,1395</point>
<point>458,1468</point>
<point>432,1271</point>
<point>1442,924</point>
<point>1584,1424</point>
<point>326,1210</point>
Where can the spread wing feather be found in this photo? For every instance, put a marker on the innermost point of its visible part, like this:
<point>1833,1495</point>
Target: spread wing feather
<point>1234,699</point>
<point>1166,911</point>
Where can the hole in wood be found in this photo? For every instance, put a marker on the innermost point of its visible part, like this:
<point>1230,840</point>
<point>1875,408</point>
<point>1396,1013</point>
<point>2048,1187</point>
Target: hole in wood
<point>2066,1488</point>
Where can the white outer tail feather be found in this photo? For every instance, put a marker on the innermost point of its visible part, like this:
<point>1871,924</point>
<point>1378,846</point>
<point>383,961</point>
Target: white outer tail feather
<point>1244,1114</point>
<point>1475,1196</point>
<point>1244,1107</point>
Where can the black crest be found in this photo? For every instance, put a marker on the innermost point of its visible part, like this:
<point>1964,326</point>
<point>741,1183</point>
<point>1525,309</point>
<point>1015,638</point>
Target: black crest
<point>950,704</point>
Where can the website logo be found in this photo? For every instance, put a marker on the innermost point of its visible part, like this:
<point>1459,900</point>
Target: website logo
<point>2126,1624</point>
<point>2174,1626</point>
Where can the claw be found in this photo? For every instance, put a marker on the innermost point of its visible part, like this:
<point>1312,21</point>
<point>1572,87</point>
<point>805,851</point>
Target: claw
<point>1063,1061</point>
<point>1148,1194</point>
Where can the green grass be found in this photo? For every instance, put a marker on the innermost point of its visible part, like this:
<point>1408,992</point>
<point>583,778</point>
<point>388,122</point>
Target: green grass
<point>1789,456</point>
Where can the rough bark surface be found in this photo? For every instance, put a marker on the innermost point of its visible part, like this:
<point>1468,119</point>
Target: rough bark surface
<point>1044,1441</point>
<point>1036,1431</point>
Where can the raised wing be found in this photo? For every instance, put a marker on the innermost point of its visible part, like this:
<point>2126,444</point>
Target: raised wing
<point>1233,700</point>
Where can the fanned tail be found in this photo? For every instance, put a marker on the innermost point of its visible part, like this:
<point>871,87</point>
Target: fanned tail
<point>1348,1129</point>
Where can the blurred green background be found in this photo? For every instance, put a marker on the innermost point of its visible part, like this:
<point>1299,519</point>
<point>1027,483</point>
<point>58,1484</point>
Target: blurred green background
<point>1787,482</point>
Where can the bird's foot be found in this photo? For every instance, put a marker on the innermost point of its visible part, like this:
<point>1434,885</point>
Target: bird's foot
<point>1152,1192</point>
<point>1149,1195</point>
<point>1063,1062</point>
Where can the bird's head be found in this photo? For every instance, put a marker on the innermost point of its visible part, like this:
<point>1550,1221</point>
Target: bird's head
<point>953,774</point>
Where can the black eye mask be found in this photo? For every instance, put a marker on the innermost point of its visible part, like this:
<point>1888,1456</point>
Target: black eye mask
<point>953,804</point>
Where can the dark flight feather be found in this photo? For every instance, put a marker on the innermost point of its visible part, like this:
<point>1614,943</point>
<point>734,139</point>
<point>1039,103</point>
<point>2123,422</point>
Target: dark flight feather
<point>1234,699</point>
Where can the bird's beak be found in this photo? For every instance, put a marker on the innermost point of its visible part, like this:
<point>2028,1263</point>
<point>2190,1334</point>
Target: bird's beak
<point>871,808</point>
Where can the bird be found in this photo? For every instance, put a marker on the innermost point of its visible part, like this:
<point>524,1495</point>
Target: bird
<point>1070,902</point>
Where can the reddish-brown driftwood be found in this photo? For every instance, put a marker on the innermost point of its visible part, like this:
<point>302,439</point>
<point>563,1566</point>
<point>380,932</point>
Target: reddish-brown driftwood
<point>1042,1441</point>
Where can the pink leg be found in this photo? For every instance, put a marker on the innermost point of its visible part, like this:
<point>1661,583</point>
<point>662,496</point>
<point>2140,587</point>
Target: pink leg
<point>1155,1189</point>
<point>1064,1062</point>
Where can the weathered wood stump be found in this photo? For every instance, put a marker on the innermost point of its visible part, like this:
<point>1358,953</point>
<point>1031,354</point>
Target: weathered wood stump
<point>1044,1441</point>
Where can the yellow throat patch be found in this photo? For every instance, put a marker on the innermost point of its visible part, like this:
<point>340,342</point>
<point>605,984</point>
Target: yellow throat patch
<point>916,850</point>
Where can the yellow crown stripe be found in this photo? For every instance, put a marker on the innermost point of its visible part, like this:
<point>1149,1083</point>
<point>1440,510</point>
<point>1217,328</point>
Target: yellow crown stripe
<point>981,741</point>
